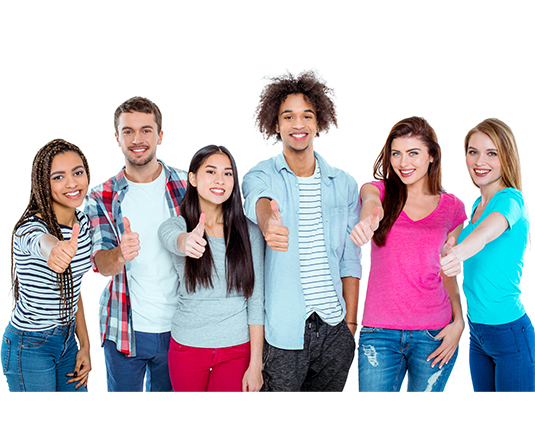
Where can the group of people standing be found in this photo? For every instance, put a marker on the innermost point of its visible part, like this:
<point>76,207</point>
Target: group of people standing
<point>209,294</point>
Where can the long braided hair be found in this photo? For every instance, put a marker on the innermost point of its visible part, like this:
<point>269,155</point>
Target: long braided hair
<point>41,203</point>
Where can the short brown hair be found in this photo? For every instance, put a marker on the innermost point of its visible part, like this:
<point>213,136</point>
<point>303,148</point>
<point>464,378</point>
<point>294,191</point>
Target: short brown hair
<point>141,105</point>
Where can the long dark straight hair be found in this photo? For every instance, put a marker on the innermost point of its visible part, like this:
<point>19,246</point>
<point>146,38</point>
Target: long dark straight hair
<point>239,271</point>
<point>41,203</point>
<point>395,191</point>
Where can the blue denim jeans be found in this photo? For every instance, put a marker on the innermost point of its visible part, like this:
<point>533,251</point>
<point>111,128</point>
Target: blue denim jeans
<point>128,373</point>
<point>39,361</point>
<point>386,355</point>
<point>502,357</point>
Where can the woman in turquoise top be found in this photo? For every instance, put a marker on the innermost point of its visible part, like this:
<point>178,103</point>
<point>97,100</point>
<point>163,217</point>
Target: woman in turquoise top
<point>502,340</point>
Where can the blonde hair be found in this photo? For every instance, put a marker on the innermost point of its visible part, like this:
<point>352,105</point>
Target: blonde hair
<point>503,139</point>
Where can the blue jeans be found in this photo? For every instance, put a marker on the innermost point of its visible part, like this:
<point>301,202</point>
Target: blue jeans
<point>502,357</point>
<point>386,355</point>
<point>40,361</point>
<point>127,373</point>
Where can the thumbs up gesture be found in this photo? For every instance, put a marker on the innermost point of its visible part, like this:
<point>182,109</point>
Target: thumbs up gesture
<point>61,255</point>
<point>194,245</point>
<point>129,242</point>
<point>449,259</point>
<point>363,231</point>
<point>276,234</point>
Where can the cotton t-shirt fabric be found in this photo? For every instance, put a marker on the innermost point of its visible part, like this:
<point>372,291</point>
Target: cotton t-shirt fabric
<point>492,276</point>
<point>153,281</point>
<point>405,289</point>
<point>209,317</point>
<point>38,306</point>
<point>318,288</point>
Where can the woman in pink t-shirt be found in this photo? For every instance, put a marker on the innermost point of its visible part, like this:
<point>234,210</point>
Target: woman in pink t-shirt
<point>412,315</point>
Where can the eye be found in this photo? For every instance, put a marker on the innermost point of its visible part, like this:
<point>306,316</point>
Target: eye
<point>79,173</point>
<point>147,130</point>
<point>492,154</point>
<point>395,154</point>
<point>57,177</point>
<point>472,152</point>
<point>413,153</point>
<point>228,173</point>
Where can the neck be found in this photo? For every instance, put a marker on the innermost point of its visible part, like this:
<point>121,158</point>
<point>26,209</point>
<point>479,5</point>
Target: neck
<point>213,213</point>
<point>301,163</point>
<point>488,191</point>
<point>420,188</point>
<point>143,174</point>
<point>65,216</point>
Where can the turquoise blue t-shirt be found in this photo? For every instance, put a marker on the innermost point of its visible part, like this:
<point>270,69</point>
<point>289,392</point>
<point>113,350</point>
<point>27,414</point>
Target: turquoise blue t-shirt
<point>492,276</point>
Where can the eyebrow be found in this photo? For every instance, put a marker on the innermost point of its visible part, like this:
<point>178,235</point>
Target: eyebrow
<point>215,167</point>
<point>410,149</point>
<point>291,111</point>
<point>142,127</point>
<point>73,169</point>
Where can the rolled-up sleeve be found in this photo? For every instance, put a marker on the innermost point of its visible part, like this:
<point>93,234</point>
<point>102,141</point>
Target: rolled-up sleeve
<point>169,231</point>
<point>256,184</point>
<point>255,304</point>
<point>350,264</point>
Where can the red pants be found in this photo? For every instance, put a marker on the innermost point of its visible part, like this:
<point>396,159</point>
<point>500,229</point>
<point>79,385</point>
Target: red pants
<point>207,369</point>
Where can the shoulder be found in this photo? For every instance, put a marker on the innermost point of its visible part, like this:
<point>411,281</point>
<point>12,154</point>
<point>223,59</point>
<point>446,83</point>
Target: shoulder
<point>107,188</point>
<point>173,173</point>
<point>30,225</point>
<point>451,200</point>
<point>335,173</point>
<point>509,195</point>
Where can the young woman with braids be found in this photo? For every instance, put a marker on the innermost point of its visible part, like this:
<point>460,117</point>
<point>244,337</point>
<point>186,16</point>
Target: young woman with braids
<point>412,318</point>
<point>217,332</point>
<point>51,249</point>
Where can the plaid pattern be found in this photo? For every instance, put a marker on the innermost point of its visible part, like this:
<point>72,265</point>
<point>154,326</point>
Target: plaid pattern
<point>103,207</point>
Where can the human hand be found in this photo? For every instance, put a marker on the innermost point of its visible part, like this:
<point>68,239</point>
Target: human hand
<point>450,334</point>
<point>129,242</point>
<point>62,254</point>
<point>275,234</point>
<point>252,379</point>
<point>450,262</point>
<point>363,231</point>
<point>195,244</point>
<point>81,369</point>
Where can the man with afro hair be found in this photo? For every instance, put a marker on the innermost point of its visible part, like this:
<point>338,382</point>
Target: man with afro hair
<point>306,210</point>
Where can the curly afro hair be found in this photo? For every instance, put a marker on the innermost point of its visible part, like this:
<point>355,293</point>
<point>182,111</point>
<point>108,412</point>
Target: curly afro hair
<point>307,83</point>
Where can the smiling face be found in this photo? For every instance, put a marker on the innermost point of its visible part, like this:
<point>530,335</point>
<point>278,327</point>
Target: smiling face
<point>483,162</point>
<point>297,123</point>
<point>410,160</point>
<point>214,181</point>
<point>138,138</point>
<point>68,182</point>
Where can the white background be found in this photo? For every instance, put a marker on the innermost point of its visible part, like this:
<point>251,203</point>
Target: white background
<point>66,66</point>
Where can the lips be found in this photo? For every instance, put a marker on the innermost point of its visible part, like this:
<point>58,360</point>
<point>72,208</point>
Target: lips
<point>406,172</point>
<point>299,136</point>
<point>73,194</point>
<point>139,150</point>
<point>217,191</point>
<point>481,172</point>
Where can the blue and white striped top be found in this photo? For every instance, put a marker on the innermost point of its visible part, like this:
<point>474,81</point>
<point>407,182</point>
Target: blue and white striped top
<point>318,288</point>
<point>38,307</point>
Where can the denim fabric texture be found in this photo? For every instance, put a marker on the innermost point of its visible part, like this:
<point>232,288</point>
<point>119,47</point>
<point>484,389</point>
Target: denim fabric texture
<point>40,361</point>
<point>128,373</point>
<point>502,357</point>
<point>387,355</point>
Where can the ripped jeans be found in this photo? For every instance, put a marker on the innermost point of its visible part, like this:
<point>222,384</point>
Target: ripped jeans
<point>386,355</point>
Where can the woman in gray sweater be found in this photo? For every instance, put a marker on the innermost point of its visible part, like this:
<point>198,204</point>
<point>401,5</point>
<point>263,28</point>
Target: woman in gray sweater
<point>217,332</point>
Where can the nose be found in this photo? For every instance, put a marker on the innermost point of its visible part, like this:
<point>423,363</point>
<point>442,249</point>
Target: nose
<point>70,182</point>
<point>138,138</point>
<point>298,123</point>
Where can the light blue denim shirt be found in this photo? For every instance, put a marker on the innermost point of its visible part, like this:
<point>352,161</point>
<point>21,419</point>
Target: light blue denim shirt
<point>284,300</point>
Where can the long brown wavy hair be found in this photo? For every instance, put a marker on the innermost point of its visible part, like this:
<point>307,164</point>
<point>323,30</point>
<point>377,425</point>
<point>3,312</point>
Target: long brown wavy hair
<point>395,191</point>
<point>41,203</point>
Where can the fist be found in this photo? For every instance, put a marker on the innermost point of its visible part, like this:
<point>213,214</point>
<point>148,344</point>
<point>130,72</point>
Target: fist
<point>62,254</point>
<point>195,243</point>
<point>129,242</point>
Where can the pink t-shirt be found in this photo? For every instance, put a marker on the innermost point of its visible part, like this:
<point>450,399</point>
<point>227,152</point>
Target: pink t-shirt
<point>405,288</point>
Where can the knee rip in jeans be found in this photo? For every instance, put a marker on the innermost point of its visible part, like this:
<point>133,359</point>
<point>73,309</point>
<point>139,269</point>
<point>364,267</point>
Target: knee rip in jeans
<point>371,354</point>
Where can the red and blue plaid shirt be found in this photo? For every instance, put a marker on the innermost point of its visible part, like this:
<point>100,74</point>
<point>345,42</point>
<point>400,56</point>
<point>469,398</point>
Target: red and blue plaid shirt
<point>103,207</point>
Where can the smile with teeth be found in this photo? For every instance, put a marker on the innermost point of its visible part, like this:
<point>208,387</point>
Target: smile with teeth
<point>139,150</point>
<point>299,136</point>
<point>481,172</point>
<point>73,194</point>
<point>406,172</point>
<point>217,191</point>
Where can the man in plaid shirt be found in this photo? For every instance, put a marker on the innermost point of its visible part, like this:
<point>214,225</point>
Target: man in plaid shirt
<point>137,306</point>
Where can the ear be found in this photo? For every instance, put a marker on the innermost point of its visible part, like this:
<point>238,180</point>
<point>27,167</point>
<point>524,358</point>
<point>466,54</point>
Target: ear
<point>192,180</point>
<point>117,139</point>
<point>160,138</point>
<point>277,127</point>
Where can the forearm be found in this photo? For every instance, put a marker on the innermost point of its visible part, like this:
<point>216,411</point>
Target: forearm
<point>81,327</point>
<point>256,333</point>
<point>110,262</point>
<point>351,297</point>
<point>263,213</point>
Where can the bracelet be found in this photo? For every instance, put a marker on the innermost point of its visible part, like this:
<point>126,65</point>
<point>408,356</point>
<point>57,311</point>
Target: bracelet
<point>351,323</point>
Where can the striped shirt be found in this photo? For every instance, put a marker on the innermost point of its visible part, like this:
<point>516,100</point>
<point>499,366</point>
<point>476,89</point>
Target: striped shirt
<point>318,288</point>
<point>39,305</point>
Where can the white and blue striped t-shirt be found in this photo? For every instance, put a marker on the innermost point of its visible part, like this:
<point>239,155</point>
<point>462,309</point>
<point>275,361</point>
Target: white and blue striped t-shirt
<point>39,306</point>
<point>318,287</point>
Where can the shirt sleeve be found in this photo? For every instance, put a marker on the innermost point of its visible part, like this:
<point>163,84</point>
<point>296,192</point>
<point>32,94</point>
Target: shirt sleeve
<point>510,204</point>
<point>350,265</point>
<point>255,303</point>
<point>256,184</point>
<point>27,238</point>
<point>169,231</point>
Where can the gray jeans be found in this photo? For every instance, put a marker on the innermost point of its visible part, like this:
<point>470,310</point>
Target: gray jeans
<point>322,365</point>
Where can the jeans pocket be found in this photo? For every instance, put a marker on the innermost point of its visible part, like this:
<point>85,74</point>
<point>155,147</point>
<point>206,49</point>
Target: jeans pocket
<point>432,333</point>
<point>34,339</point>
<point>367,330</point>
<point>6,351</point>
<point>529,335</point>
